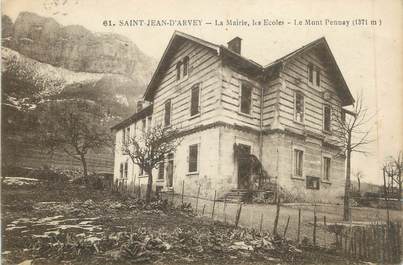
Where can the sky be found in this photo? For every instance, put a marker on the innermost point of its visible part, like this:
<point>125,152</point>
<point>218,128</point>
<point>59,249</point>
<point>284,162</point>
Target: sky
<point>370,57</point>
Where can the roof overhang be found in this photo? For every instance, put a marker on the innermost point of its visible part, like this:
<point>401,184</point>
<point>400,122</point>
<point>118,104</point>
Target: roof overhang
<point>147,111</point>
<point>246,65</point>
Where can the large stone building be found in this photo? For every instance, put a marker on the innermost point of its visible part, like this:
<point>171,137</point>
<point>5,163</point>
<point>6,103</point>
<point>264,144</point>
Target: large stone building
<point>227,106</point>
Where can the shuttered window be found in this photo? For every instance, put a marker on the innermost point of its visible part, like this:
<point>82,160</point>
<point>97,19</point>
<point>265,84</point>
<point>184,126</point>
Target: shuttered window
<point>167,117</point>
<point>195,100</point>
<point>299,107</point>
<point>193,157</point>
<point>298,162</point>
<point>327,118</point>
<point>246,98</point>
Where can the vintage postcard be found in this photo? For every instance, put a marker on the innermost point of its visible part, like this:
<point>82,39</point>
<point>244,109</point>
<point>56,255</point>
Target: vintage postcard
<point>201,132</point>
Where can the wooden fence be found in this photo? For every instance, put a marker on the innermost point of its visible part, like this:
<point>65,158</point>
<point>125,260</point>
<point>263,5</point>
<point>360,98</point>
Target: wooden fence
<point>377,242</point>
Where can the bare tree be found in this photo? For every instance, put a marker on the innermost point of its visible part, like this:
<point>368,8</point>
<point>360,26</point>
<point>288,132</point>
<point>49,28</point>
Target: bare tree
<point>353,137</point>
<point>73,126</point>
<point>149,149</point>
<point>392,170</point>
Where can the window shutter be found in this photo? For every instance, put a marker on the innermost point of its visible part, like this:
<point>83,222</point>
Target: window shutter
<point>317,77</point>
<point>310,73</point>
<point>194,101</point>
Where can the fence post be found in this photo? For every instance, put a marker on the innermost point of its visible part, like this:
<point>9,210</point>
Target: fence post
<point>212,212</point>
<point>183,189</point>
<point>299,225</point>
<point>225,206</point>
<point>238,214</point>
<point>261,223</point>
<point>286,227</point>
<point>197,198</point>
<point>277,215</point>
<point>314,229</point>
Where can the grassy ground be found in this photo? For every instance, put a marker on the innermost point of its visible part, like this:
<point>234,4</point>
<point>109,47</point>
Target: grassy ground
<point>69,224</point>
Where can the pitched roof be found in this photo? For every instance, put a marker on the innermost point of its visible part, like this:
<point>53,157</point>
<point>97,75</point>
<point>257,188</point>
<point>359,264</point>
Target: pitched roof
<point>346,95</point>
<point>245,63</point>
<point>147,111</point>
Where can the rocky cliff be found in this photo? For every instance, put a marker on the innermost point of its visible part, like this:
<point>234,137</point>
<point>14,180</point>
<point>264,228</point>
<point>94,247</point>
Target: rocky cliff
<point>75,48</point>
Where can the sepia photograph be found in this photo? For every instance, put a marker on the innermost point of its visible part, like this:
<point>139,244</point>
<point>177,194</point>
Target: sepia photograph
<point>201,132</point>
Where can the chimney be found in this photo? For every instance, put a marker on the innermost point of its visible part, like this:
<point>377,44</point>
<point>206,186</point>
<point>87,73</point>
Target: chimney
<point>139,105</point>
<point>235,45</point>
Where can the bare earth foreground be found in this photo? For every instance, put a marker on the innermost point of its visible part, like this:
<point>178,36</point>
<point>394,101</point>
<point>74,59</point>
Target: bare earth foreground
<point>63,223</point>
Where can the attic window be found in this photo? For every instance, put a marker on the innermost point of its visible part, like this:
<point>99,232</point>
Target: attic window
<point>313,74</point>
<point>178,70</point>
<point>182,68</point>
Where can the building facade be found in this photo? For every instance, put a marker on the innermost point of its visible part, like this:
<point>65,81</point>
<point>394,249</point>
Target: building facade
<point>229,108</point>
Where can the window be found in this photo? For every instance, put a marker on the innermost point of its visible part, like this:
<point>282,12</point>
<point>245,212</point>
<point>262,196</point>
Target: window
<point>312,183</point>
<point>317,77</point>
<point>310,73</point>
<point>182,68</point>
<point>343,115</point>
<point>167,118</point>
<point>185,66</point>
<point>161,169</point>
<point>299,107</point>
<point>123,136</point>
<point>121,170</point>
<point>195,100</point>
<point>326,168</point>
<point>193,157</point>
<point>126,169</point>
<point>246,98</point>
<point>313,74</point>
<point>327,118</point>
<point>178,70</point>
<point>298,162</point>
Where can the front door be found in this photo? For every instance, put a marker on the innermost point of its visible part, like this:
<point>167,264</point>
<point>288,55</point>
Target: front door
<point>170,170</point>
<point>243,166</point>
